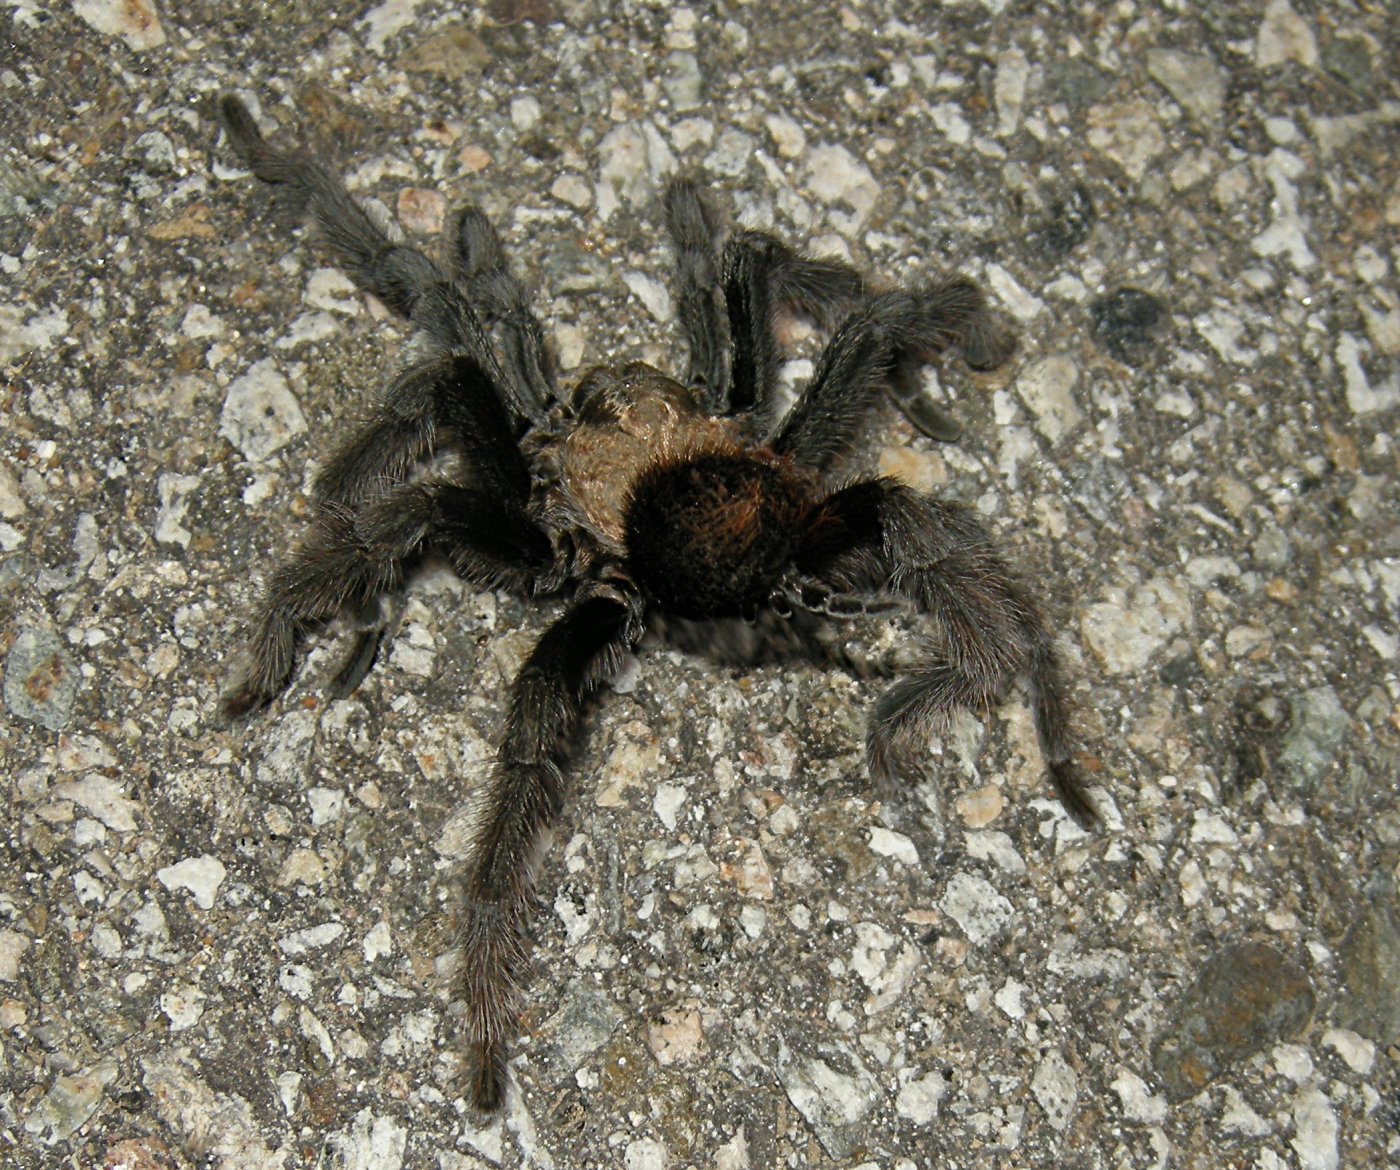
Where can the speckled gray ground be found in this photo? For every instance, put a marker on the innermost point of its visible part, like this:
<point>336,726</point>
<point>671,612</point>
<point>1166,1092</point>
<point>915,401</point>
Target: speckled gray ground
<point>229,946</point>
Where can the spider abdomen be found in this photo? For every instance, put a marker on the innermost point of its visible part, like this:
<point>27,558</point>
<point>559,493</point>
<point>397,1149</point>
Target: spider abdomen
<point>709,535</point>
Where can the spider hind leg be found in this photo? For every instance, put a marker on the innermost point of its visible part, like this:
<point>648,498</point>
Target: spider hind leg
<point>879,537</point>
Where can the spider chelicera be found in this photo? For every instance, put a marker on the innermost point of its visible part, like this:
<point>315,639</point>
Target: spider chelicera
<point>693,507</point>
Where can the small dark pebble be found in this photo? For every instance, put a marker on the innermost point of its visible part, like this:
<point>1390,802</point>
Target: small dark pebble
<point>1068,224</point>
<point>1369,958</point>
<point>1247,998</point>
<point>507,12</point>
<point>1124,324</point>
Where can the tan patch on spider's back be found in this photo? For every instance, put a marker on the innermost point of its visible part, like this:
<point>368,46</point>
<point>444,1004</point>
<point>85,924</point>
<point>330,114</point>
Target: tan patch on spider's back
<point>650,419</point>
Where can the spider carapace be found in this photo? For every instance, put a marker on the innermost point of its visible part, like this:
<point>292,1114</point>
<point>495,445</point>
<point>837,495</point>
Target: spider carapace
<point>694,507</point>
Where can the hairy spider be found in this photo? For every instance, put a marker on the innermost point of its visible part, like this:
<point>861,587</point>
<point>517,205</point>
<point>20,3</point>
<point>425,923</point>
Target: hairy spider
<point>693,507</point>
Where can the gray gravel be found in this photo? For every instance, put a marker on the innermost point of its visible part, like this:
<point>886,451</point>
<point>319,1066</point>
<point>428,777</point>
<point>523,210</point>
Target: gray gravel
<point>232,946</point>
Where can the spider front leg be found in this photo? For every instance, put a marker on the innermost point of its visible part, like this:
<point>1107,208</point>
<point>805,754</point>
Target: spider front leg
<point>380,262</point>
<point>867,353</point>
<point>350,559</point>
<point>520,802</point>
<point>481,262</point>
<point>758,277</point>
<point>368,526</point>
<point>879,537</point>
<point>694,233</point>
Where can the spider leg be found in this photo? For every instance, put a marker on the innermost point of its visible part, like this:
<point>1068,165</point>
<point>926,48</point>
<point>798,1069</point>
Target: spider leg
<point>864,354</point>
<point>694,232</point>
<point>519,804</point>
<point>395,272</point>
<point>375,255</point>
<point>369,525</point>
<point>761,276</point>
<point>481,264</point>
<point>449,393</point>
<point>876,536</point>
<point>350,558</point>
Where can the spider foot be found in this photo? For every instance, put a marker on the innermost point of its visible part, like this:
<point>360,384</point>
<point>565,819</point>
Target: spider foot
<point>1074,795</point>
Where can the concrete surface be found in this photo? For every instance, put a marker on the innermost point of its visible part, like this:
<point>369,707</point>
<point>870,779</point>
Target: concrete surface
<point>231,946</point>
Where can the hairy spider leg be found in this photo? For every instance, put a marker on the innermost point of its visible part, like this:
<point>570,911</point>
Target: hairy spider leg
<point>375,255</point>
<point>354,555</point>
<point>860,359</point>
<point>349,559</point>
<point>519,803</point>
<point>758,276</point>
<point>762,275</point>
<point>480,263</point>
<point>879,536</point>
<point>694,233</point>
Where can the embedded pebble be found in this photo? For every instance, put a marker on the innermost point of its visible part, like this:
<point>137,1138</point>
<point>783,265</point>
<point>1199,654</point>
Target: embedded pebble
<point>980,807</point>
<point>1009,90</point>
<point>19,336</point>
<point>1358,1052</point>
<point>584,1023</point>
<point>751,873</point>
<point>644,1154</point>
<point>298,942</point>
<point>1247,997</point>
<point>683,83</point>
<point>1362,397</point>
<point>12,505</point>
<point>787,135</point>
<point>41,679</point>
<point>834,1096</point>
<point>1369,956</point>
<point>201,876</point>
<point>653,294</point>
<point>1284,36</point>
<point>260,414</point>
<point>731,154</point>
<point>1047,389</point>
<point>331,290</point>
<point>452,52</point>
<point>887,843</point>
<point>135,21</point>
<point>1127,629</point>
<point>634,158</point>
<point>175,493</point>
<point>573,190</point>
<point>1127,132</point>
<point>12,948</point>
<point>370,1140</point>
<point>996,847</point>
<point>103,797</point>
<point>1315,1130</point>
<point>422,210</point>
<point>68,1105</point>
<point>675,1036</point>
<point>919,1096</point>
<point>1288,233</point>
<point>1320,726</point>
<point>839,179</point>
<point>1195,81</point>
<point>1056,1086</point>
<point>974,904</point>
<point>667,802</point>
<point>183,1005</point>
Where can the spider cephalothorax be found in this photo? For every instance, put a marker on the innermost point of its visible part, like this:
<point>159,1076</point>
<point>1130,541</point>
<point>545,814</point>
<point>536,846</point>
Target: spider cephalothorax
<point>694,506</point>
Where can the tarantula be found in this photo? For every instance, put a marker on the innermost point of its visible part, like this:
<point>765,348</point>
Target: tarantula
<point>692,506</point>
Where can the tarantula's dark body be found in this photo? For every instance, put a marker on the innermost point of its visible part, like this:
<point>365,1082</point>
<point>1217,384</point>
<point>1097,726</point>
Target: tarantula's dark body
<point>686,504</point>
